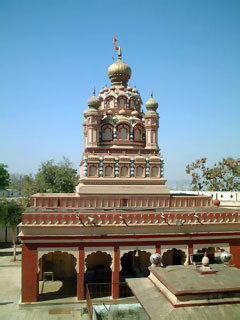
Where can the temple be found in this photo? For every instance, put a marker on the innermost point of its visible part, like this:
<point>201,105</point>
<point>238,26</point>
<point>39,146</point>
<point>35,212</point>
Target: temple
<point>122,210</point>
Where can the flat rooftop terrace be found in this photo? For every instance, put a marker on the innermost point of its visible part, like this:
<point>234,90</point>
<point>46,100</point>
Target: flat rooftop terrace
<point>180,292</point>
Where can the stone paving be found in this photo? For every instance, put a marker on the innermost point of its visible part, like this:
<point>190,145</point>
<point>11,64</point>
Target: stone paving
<point>10,288</point>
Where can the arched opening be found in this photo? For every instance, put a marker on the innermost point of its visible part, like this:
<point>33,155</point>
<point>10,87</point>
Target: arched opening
<point>92,171</point>
<point>123,132</point>
<point>110,103</point>
<point>138,133</point>
<point>57,276</point>
<point>135,264</point>
<point>107,133</point>
<point>132,103</point>
<point>173,257</point>
<point>139,171</point>
<point>109,171</point>
<point>155,172</point>
<point>122,102</point>
<point>98,274</point>
<point>124,171</point>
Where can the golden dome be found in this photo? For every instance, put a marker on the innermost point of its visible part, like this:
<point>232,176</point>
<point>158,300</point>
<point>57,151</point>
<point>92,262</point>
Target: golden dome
<point>151,104</point>
<point>119,72</point>
<point>94,102</point>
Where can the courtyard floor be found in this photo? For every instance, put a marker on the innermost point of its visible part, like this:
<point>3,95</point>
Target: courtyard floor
<point>10,284</point>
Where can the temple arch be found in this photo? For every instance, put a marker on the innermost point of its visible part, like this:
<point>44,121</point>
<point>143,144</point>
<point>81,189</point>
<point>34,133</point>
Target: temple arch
<point>173,257</point>
<point>140,171</point>
<point>122,102</point>
<point>123,132</point>
<point>109,171</point>
<point>155,172</point>
<point>169,257</point>
<point>138,133</point>
<point>61,269</point>
<point>98,267</point>
<point>134,263</point>
<point>124,172</point>
<point>107,132</point>
<point>92,171</point>
<point>110,102</point>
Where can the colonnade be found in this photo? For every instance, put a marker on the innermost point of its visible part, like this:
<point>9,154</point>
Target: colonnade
<point>33,253</point>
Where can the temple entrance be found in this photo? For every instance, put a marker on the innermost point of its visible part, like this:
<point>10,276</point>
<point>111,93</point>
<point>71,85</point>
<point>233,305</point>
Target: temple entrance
<point>135,264</point>
<point>98,275</point>
<point>57,276</point>
<point>173,257</point>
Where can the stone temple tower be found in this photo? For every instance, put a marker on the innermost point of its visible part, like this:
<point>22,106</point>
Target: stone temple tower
<point>121,157</point>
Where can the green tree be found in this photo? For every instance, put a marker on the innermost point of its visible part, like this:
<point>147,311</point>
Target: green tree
<point>24,183</point>
<point>4,176</point>
<point>51,177</point>
<point>10,216</point>
<point>223,176</point>
<point>60,177</point>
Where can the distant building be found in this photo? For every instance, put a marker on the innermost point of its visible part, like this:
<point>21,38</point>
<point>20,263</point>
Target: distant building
<point>226,198</point>
<point>10,193</point>
<point>122,210</point>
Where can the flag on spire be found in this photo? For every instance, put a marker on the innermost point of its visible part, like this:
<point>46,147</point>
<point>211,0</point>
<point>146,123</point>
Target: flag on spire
<point>114,43</point>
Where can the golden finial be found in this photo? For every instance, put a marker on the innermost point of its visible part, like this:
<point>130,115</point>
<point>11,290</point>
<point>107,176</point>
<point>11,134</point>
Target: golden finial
<point>119,53</point>
<point>151,93</point>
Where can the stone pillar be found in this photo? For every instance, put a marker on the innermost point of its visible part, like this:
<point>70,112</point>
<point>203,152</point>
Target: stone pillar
<point>29,273</point>
<point>151,126</point>
<point>158,248</point>
<point>234,250</point>
<point>80,275</point>
<point>115,273</point>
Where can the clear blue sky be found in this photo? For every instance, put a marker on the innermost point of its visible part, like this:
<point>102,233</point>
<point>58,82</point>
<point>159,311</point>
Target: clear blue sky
<point>53,52</point>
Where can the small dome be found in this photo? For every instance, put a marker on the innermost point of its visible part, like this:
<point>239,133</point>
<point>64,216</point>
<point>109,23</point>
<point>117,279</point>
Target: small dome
<point>122,112</point>
<point>135,90</point>
<point>109,112</point>
<point>225,257</point>
<point>155,259</point>
<point>94,102</point>
<point>151,104</point>
<point>121,87</point>
<point>216,202</point>
<point>119,72</point>
<point>134,113</point>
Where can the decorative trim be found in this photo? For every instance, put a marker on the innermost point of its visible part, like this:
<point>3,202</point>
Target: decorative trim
<point>64,239</point>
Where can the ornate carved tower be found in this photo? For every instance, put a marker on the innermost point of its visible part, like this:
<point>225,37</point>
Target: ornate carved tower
<point>121,142</point>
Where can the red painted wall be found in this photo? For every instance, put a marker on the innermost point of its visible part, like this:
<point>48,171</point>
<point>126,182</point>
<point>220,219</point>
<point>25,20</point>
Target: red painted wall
<point>29,273</point>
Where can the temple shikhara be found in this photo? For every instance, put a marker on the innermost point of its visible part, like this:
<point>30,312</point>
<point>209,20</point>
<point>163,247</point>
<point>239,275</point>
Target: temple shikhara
<point>122,210</point>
